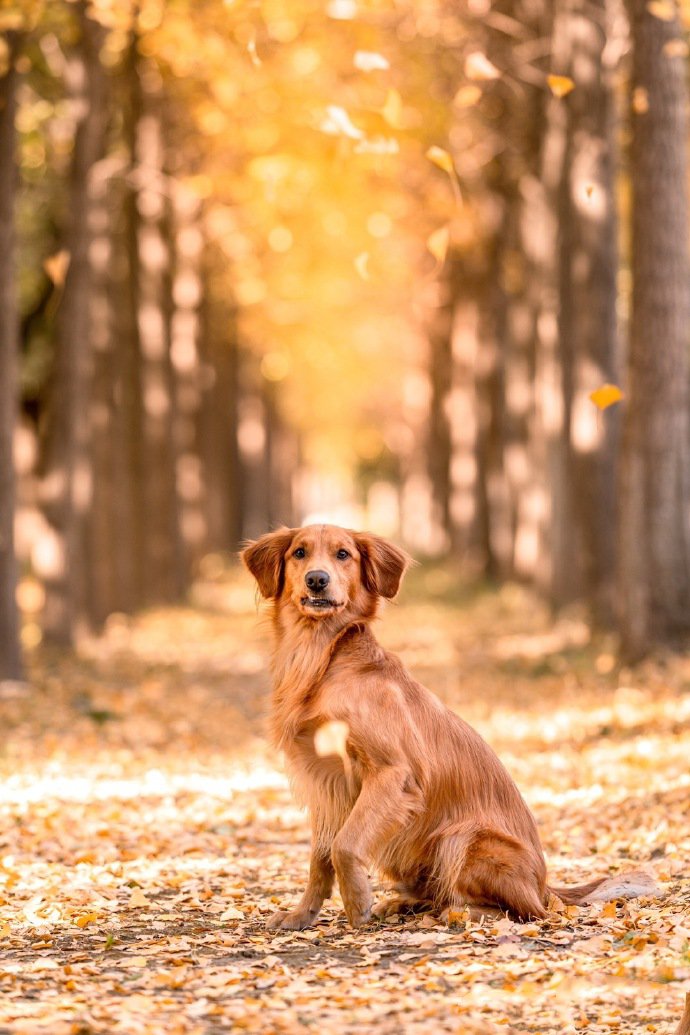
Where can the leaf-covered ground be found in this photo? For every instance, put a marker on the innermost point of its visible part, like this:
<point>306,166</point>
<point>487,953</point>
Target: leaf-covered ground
<point>146,832</point>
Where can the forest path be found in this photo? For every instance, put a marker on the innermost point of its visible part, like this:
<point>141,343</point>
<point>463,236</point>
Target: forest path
<point>146,832</point>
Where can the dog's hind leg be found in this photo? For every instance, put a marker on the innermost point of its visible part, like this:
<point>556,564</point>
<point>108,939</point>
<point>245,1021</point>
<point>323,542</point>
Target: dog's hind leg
<point>406,900</point>
<point>492,869</point>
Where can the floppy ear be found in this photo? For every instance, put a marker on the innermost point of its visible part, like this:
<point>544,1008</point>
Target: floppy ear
<point>383,564</point>
<point>264,558</point>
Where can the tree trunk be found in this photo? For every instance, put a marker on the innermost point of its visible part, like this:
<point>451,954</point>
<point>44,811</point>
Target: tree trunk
<point>67,486</point>
<point>587,311</point>
<point>440,446</point>
<point>10,654</point>
<point>654,559</point>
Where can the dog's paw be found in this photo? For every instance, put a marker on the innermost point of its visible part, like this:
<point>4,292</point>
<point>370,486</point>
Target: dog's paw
<point>358,917</point>
<point>403,905</point>
<point>290,920</point>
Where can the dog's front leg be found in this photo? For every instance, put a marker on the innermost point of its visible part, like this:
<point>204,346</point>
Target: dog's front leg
<point>378,813</point>
<point>319,886</point>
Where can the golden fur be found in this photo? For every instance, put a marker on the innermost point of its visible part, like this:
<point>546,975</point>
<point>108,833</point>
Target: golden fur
<point>419,794</point>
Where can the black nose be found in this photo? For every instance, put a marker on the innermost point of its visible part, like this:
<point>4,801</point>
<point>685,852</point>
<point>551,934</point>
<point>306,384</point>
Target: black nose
<point>317,580</point>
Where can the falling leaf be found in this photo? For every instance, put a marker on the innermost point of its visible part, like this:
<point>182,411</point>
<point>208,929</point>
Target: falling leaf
<point>478,66</point>
<point>251,49</point>
<point>338,123</point>
<point>676,48</point>
<point>467,96</point>
<point>640,100</point>
<point>377,146</point>
<point>342,10</point>
<point>331,739</point>
<point>362,265</point>
<point>664,10</point>
<point>56,266</point>
<point>606,396</point>
<point>370,61</point>
<point>440,157</point>
<point>437,243</point>
<point>392,109</point>
<point>560,85</point>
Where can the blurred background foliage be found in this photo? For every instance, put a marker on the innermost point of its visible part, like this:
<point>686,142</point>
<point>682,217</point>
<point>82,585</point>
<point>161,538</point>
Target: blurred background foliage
<point>355,260</point>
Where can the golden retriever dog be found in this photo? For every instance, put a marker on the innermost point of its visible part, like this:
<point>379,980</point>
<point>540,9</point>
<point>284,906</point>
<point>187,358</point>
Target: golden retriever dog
<point>412,790</point>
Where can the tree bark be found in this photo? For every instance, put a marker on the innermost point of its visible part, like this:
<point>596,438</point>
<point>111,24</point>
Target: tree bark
<point>654,561</point>
<point>10,653</point>
<point>587,310</point>
<point>67,488</point>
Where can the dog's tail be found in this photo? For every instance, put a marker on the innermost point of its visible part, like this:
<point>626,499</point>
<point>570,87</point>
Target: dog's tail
<point>634,884</point>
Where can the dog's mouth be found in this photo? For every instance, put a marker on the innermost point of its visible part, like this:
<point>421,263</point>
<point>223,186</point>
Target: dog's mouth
<point>320,604</point>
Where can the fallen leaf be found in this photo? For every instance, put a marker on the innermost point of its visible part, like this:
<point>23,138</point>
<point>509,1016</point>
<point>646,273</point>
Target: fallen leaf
<point>86,918</point>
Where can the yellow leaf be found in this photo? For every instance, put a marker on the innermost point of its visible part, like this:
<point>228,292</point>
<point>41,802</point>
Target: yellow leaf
<point>606,396</point>
<point>664,10</point>
<point>86,918</point>
<point>331,739</point>
<point>456,917</point>
<point>478,66</point>
<point>337,122</point>
<point>437,243</point>
<point>467,96</point>
<point>392,109</point>
<point>676,48</point>
<point>609,909</point>
<point>56,267</point>
<point>251,50</point>
<point>560,85</point>
<point>362,264</point>
<point>231,914</point>
<point>440,157</point>
<point>370,61</point>
<point>4,930</point>
<point>556,904</point>
<point>640,100</point>
<point>138,962</point>
<point>138,900</point>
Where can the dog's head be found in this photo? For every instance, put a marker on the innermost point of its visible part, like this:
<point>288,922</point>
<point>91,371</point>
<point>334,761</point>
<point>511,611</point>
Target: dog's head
<point>323,570</point>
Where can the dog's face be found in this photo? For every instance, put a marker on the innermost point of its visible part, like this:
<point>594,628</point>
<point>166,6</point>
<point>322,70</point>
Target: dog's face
<point>323,570</point>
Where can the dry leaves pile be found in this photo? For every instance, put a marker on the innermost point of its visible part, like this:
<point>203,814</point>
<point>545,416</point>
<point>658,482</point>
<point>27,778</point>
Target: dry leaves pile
<point>146,832</point>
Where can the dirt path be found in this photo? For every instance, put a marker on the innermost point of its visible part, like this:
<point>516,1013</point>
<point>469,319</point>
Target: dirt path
<point>146,831</point>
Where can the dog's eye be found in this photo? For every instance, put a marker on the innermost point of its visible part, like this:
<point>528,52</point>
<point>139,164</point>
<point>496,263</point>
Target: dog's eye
<point>299,553</point>
<point>342,555</point>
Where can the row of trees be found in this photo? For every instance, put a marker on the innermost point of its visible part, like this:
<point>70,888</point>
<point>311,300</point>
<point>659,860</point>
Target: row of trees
<point>268,251</point>
<point>564,299</point>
